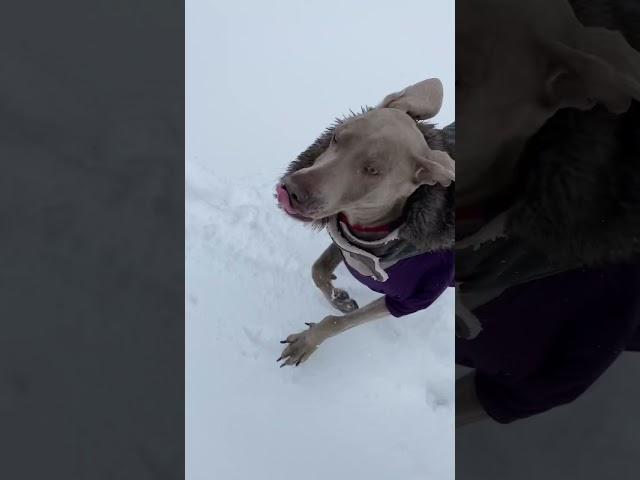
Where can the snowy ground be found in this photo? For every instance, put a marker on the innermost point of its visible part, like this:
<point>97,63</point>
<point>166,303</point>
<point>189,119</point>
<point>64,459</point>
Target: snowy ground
<point>375,402</point>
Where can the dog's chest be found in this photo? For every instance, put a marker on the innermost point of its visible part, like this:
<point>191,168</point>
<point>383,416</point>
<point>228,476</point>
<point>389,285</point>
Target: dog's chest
<point>370,258</point>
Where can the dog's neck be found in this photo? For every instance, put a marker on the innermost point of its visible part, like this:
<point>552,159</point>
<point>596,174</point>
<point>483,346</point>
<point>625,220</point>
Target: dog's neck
<point>372,218</point>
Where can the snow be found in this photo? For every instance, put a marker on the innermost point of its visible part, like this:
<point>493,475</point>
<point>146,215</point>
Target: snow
<point>375,402</point>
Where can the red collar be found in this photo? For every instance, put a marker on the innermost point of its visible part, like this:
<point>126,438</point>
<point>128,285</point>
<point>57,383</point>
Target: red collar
<point>363,228</point>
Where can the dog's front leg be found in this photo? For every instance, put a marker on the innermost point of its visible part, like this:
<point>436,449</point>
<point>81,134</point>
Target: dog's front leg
<point>372,311</point>
<point>322,274</point>
<point>302,345</point>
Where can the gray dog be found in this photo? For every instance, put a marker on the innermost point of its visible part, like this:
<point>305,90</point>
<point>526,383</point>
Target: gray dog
<point>381,183</point>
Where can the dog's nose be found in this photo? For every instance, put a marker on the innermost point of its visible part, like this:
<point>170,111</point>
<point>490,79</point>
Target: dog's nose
<point>297,194</point>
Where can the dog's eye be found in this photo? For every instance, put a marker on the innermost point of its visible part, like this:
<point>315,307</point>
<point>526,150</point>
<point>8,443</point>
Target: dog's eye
<point>370,170</point>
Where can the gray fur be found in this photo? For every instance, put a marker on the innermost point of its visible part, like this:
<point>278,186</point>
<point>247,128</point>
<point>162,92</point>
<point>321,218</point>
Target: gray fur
<point>429,217</point>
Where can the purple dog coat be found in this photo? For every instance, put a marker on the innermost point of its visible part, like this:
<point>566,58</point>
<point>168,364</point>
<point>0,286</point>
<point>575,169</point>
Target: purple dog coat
<point>410,280</point>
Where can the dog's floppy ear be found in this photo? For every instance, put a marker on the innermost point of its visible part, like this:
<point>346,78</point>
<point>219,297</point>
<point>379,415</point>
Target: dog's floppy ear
<point>435,167</point>
<point>600,67</point>
<point>421,101</point>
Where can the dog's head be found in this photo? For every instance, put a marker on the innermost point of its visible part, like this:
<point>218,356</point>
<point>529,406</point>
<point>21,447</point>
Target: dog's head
<point>517,64</point>
<point>370,161</point>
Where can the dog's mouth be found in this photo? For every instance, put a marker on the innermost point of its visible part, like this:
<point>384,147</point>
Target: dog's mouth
<point>284,201</point>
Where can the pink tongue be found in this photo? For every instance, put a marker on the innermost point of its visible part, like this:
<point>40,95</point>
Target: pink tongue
<point>284,200</point>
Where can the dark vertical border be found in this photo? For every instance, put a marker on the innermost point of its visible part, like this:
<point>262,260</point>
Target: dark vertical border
<point>92,239</point>
<point>547,138</point>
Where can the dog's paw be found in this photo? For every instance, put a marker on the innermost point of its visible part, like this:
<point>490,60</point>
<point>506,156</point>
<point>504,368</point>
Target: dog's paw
<point>342,301</point>
<point>302,345</point>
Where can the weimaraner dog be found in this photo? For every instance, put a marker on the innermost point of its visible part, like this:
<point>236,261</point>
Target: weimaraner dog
<point>364,171</point>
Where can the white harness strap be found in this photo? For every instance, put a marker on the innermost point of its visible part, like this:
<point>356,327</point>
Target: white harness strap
<point>359,259</point>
